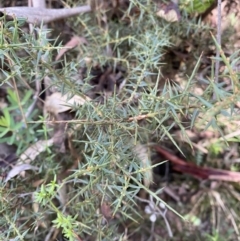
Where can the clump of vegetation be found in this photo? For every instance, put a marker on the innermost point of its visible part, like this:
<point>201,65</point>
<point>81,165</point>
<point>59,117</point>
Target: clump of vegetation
<point>92,107</point>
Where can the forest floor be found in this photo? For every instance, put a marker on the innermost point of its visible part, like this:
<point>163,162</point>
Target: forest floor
<point>114,124</point>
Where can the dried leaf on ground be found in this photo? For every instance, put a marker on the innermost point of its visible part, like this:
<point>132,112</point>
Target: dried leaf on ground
<point>58,103</point>
<point>106,210</point>
<point>18,169</point>
<point>169,12</point>
<point>34,150</point>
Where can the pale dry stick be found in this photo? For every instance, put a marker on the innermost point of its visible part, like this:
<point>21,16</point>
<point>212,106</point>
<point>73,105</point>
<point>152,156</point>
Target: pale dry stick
<point>135,118</point>
<point>200,148</point>
<point>224,178</point>
<point>230,135</point>
<point>30,4</point>
<point>42,16</point>
<point>223,138</point>
<point>218,40</point>
<point>172,194</point>
<point>40,4</point>
<point>36,4</point>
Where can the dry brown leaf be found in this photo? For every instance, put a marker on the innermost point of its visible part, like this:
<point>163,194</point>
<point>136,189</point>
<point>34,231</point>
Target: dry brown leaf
<point>38,183</point>
<point>43,15</point>
<point>18,169</point>
<point>75,41</point>
<point>34,150</point>
<point>169,12</point>
<point>58,103</point>
<point>106,210</point>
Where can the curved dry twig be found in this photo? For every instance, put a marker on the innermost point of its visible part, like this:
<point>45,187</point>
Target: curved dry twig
<point>42,15</point>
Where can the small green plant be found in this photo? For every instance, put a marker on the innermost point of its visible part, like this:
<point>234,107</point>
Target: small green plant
<point>13,128</point>
<point>196,6</point>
